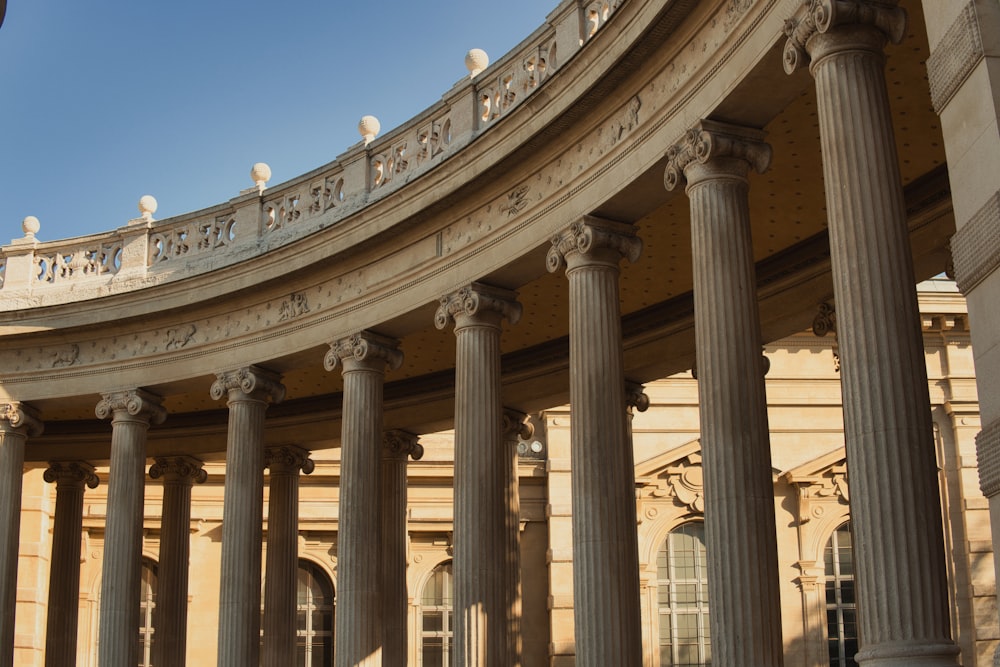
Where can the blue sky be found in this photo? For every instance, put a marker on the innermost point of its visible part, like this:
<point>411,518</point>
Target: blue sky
<point>102,102</point>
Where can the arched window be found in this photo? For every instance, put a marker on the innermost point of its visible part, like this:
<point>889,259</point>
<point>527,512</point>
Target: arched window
<point>682,589</point>
<point>841,610</point>
<point>147,611</point>
<point>435,619</point>
<point>315,606</point>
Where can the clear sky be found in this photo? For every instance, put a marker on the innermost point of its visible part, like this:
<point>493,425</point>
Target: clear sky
<point>104,101</point>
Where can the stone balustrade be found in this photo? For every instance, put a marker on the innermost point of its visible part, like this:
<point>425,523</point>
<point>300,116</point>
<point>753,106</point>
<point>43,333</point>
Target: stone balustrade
<point>147,251</point>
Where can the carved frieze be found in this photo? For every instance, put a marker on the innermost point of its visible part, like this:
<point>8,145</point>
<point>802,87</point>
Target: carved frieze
<point>178,337</point>
<point>295,305</point>
<point>65,355</point>
<point>955,56</point>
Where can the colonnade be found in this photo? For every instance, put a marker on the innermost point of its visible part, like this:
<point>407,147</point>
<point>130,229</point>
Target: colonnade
<point>895,506</point>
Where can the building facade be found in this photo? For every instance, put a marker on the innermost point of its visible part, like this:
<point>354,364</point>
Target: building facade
<point>638,189</point>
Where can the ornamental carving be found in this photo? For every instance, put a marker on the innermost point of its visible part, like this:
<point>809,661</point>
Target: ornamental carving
<point>636,397</point>
<point>627,121</point>
<point>819,16</point>
<point>684,482</point>
<point>516,201</point>
<point>178,468</point>
<point>590,234</point>
<point>134,402</point>
<point>66,356</point>
<point>178,337</point>
<point>515,425</point>
<point>251,381</point>
<point>288,459</point>
<point>825,320</point>
<point>295,305</point>
<point>400,444</point>
<point>365,346</point>
<point>73,472</point>
<point>709,140</point>
<point>820,484</point>
<point>475,300</point>
<point>20,416</point>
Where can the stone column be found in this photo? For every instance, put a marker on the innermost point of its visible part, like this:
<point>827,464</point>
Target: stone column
<point>281,575</point>
<point>515,429</point>
<point>178,473</point>
<point>396,447</point>
<point>17,422</point>
<point>605,549</point>
<point>248,390</point>
<point>131,413</point>
<point>740,537</point>
<point>364,358</point>
<point>895,507</point>
<point>63,609</point>
<point>479,568</point>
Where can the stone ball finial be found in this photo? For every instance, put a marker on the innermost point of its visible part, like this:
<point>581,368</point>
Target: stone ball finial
<point>476,61</point>
<point>30,226</point>
<point>147,206</point>
<point>261,174</point>
<point>369,128</point>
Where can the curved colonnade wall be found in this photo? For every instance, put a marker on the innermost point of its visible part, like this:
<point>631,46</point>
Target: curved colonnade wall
<point>582,123</point>
<point>272,279</point>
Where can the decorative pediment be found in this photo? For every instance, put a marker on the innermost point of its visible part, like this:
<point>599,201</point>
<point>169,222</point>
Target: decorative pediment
<point>820,481</point>
<point>675,474</point>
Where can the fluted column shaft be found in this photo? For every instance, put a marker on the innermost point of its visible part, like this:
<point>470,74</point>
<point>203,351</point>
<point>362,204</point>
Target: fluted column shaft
<point>396,447</point>
<point>895,506</point>
<point>605,550</point>
<point>131,413</point>
<point>479,567</point>
<point>515,428</point>
<point>281,576</point>
<point>364,359</point>
<point>248,390</point>
<point>178,473</point>
<point>739,493</point>
<point>17,421</point>
<point>62,613</point>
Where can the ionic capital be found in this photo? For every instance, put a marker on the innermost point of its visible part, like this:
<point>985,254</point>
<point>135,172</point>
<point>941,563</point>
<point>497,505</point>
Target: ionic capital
<point>366,350</point>
<point>400,444</point>
<point>478,303</point>
<point>822,16</point>
<point>178,469</point>
<point>515,425</point>
<point>253,382</point>
<point>21,418</point>
<point>288,459</point>
<point>138,403</point>
<point>78,472</point>
<point>636,397</point>
<point>712,149</point>
<point>588,237</point>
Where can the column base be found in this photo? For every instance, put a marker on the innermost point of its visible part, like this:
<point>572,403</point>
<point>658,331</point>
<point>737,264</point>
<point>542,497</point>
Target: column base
<point>909,654</point>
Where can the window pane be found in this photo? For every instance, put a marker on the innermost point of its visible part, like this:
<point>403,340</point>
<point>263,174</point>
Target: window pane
<point>841,612</point>
<point>682,587</point>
